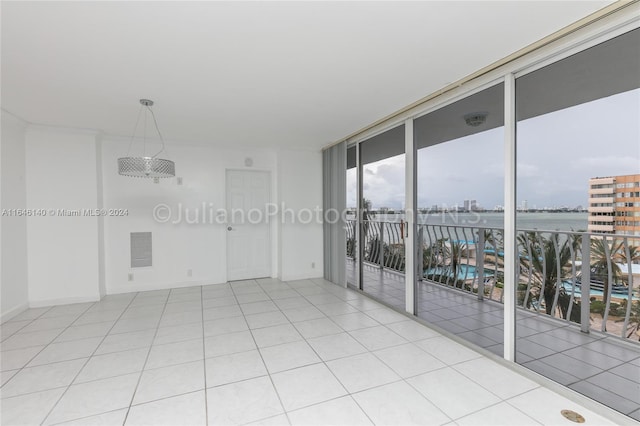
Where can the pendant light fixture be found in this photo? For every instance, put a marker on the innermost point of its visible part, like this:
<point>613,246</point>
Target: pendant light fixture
<point>147,165</point>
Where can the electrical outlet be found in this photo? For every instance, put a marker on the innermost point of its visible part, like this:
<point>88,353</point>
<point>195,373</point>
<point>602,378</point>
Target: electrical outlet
<point>130,276</point>
<point>313,265</point>
<point>189,272</point>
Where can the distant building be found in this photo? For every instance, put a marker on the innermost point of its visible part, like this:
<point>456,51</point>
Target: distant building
<point>614,205</point>
<point>470,205</point>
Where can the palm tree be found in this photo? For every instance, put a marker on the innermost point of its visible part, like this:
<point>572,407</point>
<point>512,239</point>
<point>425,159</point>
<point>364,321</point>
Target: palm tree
<point>540,257</point>
<point>605,252</point>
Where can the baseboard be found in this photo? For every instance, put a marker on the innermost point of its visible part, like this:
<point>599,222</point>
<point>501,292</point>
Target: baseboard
<point>63,301</point>
<point>133,288</point>
<point>17,310</point>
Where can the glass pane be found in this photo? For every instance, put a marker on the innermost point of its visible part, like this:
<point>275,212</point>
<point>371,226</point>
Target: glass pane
<point>351,225</point>
<point>383,225</point>
<point>578,181</point>
<point>460,196</point>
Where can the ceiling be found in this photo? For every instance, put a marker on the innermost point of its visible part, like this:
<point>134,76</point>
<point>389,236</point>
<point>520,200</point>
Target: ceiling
<point>252,74</point>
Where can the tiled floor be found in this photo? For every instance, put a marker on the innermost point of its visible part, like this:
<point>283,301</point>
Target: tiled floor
<point>602,368</point>
<point>254,352</point>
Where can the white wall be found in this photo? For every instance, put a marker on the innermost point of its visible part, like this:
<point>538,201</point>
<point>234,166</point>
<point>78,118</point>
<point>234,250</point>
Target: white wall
<point>13,293</point>
<point>62,251</point>
<point>300,188</point>
<point>72,259</point>
<point>177,247</point>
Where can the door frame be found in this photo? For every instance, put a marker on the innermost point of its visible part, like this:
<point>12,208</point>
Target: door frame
<point>273,254</point>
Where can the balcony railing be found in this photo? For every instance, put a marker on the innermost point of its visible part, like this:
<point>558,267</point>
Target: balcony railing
<point>553,276</point>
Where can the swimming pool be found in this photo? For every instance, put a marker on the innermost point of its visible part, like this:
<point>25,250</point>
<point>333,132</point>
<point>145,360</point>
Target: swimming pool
<point>465,272</point>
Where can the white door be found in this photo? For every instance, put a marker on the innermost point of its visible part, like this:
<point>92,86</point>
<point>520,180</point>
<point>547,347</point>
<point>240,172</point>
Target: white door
<point>248,231</point>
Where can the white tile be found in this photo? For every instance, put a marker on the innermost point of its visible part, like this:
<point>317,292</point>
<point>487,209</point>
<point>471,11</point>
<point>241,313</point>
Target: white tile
<point>501,414</point>
<point>96,397</point>
<point>531,402</point>
<point>79,332</point>
<point>105,419</point>
<point>35,338</point>
<point>386,316</point>
<point>224,326</point>
<point>128,325</point>
<point>113,364</point>
<point>336,346</point>
<point>190,297</point>
<point>66,350</point>
<point>399,404</point>
<point>143,311</point>
<point>498,379</point>
<point>408,360</point>
<point>92,317</point>
<point>282,294</point>
<point>255,296</point>
<point>222,312</point>
<point>360,372</point>
<point>446,388</point>
<point>365,304</point>
<point>218,302</point>
<point>178,333</point>
<point>30,409</point>
<point>11,327</point>
<point>30,314</point>
<point>188,409</point>
<point>243,402</point>
<point>325,298</point>
<point>412,330</point>
<point>280,420</point>
<point>187,306</point>
<point>335,309</point>
<point>18,358</point>
<point>180,318</point>
<point>341,411</point>
<point>126,341</point>
<point>49,323</point>
<point>375,338</point>
<point>35,379</point>
<point>288,356</point>
<point>446,350</point>
<point>226,344</point>
<point>235,367</point>
<point>306,386</point>
<point>258,307</point>
<point>62,310</point>
<point>303,313</point>
<point>175,353</point>
<point>6,375</point>
<point>292,302</point>
<point>354,321</point>
<point>276,335</point>
<point>317,328</point>
<point>169,381</point>
<point>266,319</point>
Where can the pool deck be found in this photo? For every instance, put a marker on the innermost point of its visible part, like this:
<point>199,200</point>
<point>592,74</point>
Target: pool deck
<point>600,366</point>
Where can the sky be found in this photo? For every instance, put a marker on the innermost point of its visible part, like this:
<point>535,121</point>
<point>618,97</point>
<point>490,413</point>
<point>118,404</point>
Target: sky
<point>557,153</point>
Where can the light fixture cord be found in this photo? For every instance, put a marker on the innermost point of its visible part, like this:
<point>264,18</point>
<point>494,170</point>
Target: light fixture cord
<point>158,130</point>
<point>134,130</point>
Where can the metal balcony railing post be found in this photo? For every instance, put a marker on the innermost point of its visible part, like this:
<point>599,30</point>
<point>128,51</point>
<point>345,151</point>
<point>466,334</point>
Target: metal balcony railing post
<point>585,283</point>
<point>420,254</point>
<point>381,247</point>
<point>480,263</point>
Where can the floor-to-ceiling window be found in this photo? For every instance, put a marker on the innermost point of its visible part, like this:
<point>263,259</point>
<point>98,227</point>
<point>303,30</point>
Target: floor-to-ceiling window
<point>578,161</point>
<point>460,183</point>
<point>383,229</point>
<point>577,238</point>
